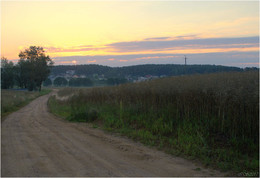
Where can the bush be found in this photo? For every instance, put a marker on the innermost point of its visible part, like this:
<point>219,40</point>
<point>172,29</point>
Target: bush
<point>83,115</point>
<point>80,82</point>
<point>60,81</point>
<point>47,82</point>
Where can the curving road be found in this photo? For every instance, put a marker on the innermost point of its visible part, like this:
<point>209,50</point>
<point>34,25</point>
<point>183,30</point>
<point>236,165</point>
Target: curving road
<point>36,143</point>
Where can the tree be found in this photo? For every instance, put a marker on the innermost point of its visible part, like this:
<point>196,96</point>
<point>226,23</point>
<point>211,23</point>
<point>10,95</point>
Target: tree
<point>116,81</point>
<point>34,67</point>
<point>251,69</point>
<point>80,82</point>
<point>22,73</point>
<point>85,82</point>
<point>60,81</point>
<point>7,73</point>
<point>47,82</point>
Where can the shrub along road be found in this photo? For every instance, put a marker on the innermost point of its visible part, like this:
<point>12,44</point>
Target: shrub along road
<point>36,143</point>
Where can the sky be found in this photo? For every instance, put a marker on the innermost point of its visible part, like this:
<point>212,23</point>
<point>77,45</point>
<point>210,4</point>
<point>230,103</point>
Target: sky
<point>122,33</point>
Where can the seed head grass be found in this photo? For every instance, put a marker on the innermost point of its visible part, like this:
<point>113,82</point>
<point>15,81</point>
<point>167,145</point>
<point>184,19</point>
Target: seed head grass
<point>210,117</point>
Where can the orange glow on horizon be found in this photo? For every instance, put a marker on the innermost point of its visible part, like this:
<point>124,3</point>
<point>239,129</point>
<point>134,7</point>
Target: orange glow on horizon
<point>90,28</point>
<point>111,51</point>
<point>173,51</point>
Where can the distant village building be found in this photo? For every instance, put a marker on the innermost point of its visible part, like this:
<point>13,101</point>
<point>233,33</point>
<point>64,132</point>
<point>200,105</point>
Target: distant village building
<point>145,78</point>
<point>82,76</point>
<point>70,72</point>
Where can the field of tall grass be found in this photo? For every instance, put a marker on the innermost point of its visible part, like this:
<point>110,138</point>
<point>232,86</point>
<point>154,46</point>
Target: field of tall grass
<point>212,117</point>
<point>12,100</point>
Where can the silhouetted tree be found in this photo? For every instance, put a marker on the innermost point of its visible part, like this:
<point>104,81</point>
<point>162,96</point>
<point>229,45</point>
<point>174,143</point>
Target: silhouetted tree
<point>251,69</point>
<point>60,81</point>
<point>22,73</point>
<point>33,67</point>
<point>142,70</point>
<point>7,73</point>
<point>116,81</point>
<point>80,82</point>
<point>47,82</point>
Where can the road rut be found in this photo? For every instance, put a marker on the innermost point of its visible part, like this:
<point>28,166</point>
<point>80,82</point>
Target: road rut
<point>37,143</point>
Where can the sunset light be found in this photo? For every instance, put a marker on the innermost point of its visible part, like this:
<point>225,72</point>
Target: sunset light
<point>74,62</point>
<point>129,88</point>
<point>89,28</point>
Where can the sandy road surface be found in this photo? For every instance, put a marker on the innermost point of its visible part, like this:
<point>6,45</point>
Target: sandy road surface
<point>36,143</point>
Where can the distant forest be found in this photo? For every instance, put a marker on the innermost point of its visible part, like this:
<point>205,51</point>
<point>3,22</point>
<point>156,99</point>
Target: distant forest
<point>142,70</point>
<point>98,75</point>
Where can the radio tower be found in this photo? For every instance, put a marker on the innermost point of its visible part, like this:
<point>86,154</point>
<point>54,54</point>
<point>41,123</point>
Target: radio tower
<point>185,58</point>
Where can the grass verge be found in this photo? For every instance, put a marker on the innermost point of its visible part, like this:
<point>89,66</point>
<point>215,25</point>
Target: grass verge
<point>13,100</point>
<point>212,118</point>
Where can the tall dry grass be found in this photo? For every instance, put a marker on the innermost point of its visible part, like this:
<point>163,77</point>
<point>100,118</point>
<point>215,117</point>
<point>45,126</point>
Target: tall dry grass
<point>12,100</point>
<point>213,116</point>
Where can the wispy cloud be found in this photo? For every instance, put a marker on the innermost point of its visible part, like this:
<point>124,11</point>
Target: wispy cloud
<point>111,59</point>
<point>168,38</point>
<point>156,57</point>
<point>68,62</point>
<point>206,43</point>
<point>72,49</point>
<point>91,61</point>
<point>187,37</point>
<point>250,63</point>
<point>179,44</point>
<point>240,59</point>
<point>157,38</point>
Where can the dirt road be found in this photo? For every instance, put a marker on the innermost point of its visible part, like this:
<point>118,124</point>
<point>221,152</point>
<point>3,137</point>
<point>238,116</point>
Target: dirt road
<point>36,143</point>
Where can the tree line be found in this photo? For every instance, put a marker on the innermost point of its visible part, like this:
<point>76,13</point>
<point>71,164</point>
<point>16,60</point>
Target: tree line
<point>142,70</point>
<point>31,70</point>
<point>73,82</point>
<point>82,82</point>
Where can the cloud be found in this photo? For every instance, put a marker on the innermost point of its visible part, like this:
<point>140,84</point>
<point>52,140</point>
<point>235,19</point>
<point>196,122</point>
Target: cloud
<point>82,46</point>
<point>91,61</point>
<point>239,59</point>
<point>72,49</point>
<point>180,44</point>
<point>186,37</point>
<point>240,51</point>
<point>111,59</point>
<point>203,43</point>
<point>67,62</point>
<point>158,38</point>
<point>156,57</point>
<point>250,63</point>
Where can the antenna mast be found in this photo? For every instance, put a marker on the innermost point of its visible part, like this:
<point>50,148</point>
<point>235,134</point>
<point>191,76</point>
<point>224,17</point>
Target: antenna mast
<point>185,58</point>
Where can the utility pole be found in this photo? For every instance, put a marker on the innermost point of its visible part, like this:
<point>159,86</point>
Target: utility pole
<point>185,58</point>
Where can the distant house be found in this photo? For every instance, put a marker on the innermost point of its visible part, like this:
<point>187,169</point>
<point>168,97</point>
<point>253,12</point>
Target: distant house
<point>147,77</point>
<point>70,72</point>
<point>140,79</point>
<point>129,78</point>
<point>101,77</point>
<point>82,76</point>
